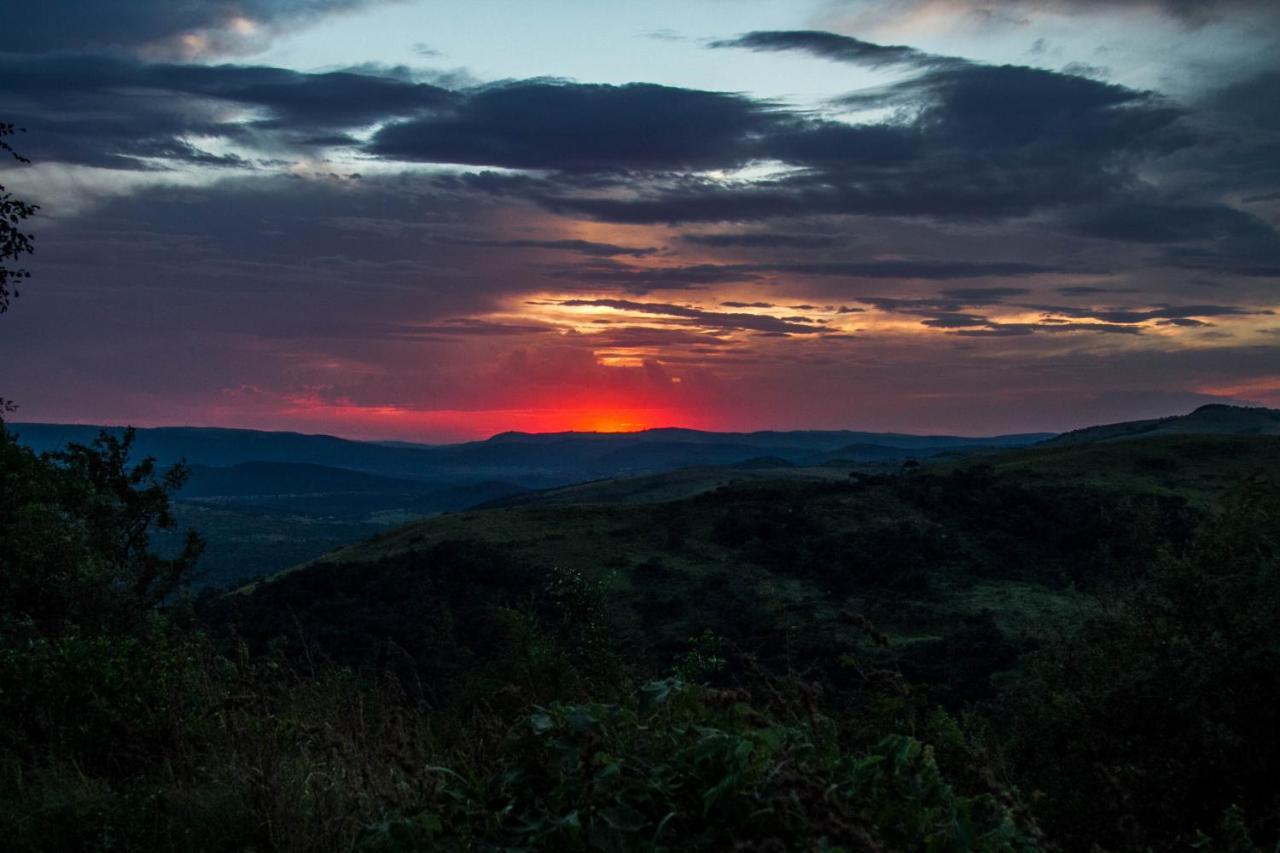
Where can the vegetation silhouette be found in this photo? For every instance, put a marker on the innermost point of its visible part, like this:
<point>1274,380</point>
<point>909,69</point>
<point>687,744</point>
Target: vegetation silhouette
<point>14,242</point>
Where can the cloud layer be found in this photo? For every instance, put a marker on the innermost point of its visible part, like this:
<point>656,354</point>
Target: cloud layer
<point>388,249</point>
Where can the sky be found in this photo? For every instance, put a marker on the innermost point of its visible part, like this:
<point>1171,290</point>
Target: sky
<point>435,221</point>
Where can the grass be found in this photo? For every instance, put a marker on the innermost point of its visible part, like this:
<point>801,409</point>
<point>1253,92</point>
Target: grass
<point>1199,468</point>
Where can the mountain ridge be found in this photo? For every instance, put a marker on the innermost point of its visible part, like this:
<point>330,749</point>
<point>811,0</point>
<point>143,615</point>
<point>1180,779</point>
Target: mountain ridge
<point>1209,419</point>
<point>537,460</point>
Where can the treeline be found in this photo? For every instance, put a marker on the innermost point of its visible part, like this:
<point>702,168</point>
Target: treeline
<point>456,699</point>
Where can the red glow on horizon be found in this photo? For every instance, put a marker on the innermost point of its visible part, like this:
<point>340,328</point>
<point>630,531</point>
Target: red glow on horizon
<point>587,408</point>
<point>444,425</point>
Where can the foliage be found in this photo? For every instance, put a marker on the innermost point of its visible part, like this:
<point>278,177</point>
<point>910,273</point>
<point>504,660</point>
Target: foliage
<point>88,667</point>
<point>451,619</point>
<point>687,769</point>
<point>1145,724</point>
<point>76,555</point>
<point>14,243</point>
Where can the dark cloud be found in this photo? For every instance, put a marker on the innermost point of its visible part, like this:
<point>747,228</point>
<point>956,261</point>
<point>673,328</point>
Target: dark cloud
<point>552,124</point>
<point>926,306</point>
<point>465,326</point>
<point>1006,107</point>
<point>159,26</point>
<point>1028,139</point>
<point>947,313</point>
<point>646,336</point>
<point>1007,330</point>
<point>767,239</point>
<point>906,269</point>
<point>110,111</point>
<point>582,247</point>
<point>1239,152</point>
<point>983,295</point>
<point>640,279</point>
<point>1251,100</point>
<point>834,46</point>
<point>1264,264</point>
<point>1045,115</point>
<point>709,319</point>
<point>1090,290</point>
<point>1141,315</point>
<point>1217,237</point>
<point>1155,222</point>
<point>968,141</point>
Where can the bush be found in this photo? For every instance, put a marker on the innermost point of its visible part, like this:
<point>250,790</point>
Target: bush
<point>1147,722</point>
<point>691,769</point>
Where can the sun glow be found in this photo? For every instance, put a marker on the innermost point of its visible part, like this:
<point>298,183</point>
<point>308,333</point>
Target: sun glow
<point>603,412</point>
<point>614,421</point>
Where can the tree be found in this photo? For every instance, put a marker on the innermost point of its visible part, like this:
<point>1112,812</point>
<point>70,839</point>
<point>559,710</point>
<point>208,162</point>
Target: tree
<point>14,242</point>
<point>76,555</point>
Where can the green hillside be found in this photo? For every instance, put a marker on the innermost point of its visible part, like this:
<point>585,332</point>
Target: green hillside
<point>1004,535</point>
<point>1200,468</point>
<point>1004,543</point>
<point>673,485</point>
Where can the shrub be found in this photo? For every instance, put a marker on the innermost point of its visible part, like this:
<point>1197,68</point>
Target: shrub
<point>1144,724</point>
<point>690,769</point>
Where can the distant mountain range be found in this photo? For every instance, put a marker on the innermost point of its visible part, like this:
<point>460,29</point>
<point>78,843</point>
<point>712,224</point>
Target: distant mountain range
<point>528,460</point>
<point>265,501</point>
<point>237,463</point>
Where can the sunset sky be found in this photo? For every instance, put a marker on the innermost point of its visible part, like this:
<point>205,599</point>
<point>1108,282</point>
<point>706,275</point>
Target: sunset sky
<point>433,220</point>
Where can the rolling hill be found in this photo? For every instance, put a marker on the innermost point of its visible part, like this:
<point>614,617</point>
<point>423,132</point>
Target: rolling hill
<point>1213,419</point>
<point>1200,468</point>
<point>339,492</point>
<point>671,485</point>
<point>288,478</point>
<point>960,564</point>
<point>952,521</point>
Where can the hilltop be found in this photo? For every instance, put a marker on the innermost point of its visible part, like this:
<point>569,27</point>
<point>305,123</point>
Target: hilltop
<point>1212,419</point>
<point>1200,468</point>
